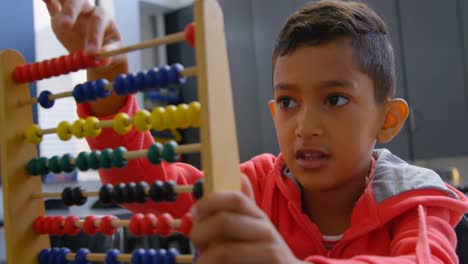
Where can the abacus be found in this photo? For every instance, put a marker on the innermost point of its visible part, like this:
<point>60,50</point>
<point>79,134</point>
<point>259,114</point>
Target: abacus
<point>26,226</point>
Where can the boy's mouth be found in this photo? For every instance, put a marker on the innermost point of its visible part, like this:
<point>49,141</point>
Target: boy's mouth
<point>312,158</point>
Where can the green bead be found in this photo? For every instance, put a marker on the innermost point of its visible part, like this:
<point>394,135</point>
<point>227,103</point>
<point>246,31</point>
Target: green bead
<point>154,153</point>
<point>54,164</point>
<point>168,152</point>
<point>31,167</point>
<point>105,160</point>
<point>82,161</point>
<point>65,163</point>
<point>41,166</point>
<point>117,157</point>
<point>93,160</point>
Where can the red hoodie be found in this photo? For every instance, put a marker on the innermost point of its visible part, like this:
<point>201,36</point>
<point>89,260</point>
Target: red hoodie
<point>405,215</point>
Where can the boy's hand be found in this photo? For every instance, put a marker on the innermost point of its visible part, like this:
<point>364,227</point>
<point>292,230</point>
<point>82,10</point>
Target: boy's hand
<point>79,25</point>
<point>228,227</point>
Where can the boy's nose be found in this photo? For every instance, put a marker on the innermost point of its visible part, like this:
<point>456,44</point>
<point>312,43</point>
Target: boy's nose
<point>308,125</point>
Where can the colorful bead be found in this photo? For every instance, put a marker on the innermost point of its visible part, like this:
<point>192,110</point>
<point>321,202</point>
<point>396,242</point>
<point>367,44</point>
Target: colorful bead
<point>62,256</point>
<point>168,152</point>
<point>65,163</point>
<point>31,167</point>
<point>117,158</point>
<point>198,189</point>
<point>89,226</point>
<point>135,224</point>
<point>169,193</point>
<point>32,134</point>
<point>190,34</point>
<point>141,120</point>
<point>81,161</point>
<point>152,78</point>
<point>164,224</point>
<point>170,117</point>
<point>156,191</point>
<point>122,124</point>
<point>182,118</point>
<point>194,114</point>
<point>78,196</point>
<point>44,256</point>
<point>42,167</point>
<point>138,256</point>
<point>186,224</point>
<point>57,226</point>
<point>90,127</point>
<point>38,224</point>
<point>150,256</point>
<point>131,84</point>
<point>77,128</point>
<point>148,225</point>
<point>81,254</point>
<point>130,192</point>
<point>105,159</point>
<point>89,91</point>
<point>139,192</point>
<point>106,225</point>
<point>44,100</point>
<point>157,119</point>
<point>64,131</point>
<point>100,87</point>
<point>54,255</point>
<point>163,76</point>
<point>174,75</point>
<point>105,193</point>
<point>120,84</point>
<point>171,254</point>
<point>54,164</point>
<point>79,93</point>
<point>111,256</point>
<point>93,159</point>
<point>161,256</point>
<point>119,195</point>
<point>67,196</point>
<point>69,227</point>
<point>139,81</point>
<point>154,153</point>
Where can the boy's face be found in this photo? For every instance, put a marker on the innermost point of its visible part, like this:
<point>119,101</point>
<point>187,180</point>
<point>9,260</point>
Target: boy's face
<point>325,114</point>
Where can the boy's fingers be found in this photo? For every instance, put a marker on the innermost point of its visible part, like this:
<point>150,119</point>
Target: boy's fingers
<point>98,23</point>
<point>53,7</point>
<point>72,9</point>
<point>228,226</point>
<point>232,201</point>
<point>246,187</point>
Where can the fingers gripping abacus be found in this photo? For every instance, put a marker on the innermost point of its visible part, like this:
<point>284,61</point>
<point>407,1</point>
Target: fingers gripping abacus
<point>26,225</point>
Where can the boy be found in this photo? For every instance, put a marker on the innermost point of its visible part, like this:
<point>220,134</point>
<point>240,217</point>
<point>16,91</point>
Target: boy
<point>328,197</point>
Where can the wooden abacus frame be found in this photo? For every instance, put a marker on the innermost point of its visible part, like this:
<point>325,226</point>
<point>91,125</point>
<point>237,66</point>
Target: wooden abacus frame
<point>218,134</point>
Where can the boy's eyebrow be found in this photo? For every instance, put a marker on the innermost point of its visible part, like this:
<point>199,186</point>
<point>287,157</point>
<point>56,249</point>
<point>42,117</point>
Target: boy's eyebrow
<point>321,84</point>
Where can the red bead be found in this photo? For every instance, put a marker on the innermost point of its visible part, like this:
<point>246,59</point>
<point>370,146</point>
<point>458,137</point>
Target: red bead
<point>88,226</point>
<point>149,224</point>
<point>48,225</point>
<point>163,225</point>
<point>186,224</point>
<point>38,224</point>
<point>190,34</point>
<point>57,226</point>
<point>106,225</point>
<point>69,226</point>
<point>136,224</point>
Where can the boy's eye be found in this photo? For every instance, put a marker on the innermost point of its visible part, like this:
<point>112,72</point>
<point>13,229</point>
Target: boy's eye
<point>286,102</point>
<point>337,100</point>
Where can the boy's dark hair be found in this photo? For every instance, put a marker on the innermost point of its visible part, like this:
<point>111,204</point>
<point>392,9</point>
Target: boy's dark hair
<point>323,21</point>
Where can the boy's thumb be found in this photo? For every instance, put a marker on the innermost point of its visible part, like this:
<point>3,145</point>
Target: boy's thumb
<point>246,187</point>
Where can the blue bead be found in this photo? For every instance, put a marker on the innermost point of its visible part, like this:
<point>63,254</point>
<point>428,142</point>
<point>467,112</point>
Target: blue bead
<point>44,99</point>
<point>152,78</point>
<point>120,84</point>
<point>100,85</point>
<point>62,256</point>
<point>131,84</point>
<point>163,75</point>
<point>171,255</point>
<point>138,256</point>
<point>79,93</point>
<point>111,256</point>
<point>44,256</point>
<point>54,256</point>
<point>89,91</point>
<point>141,81</point>
<point>150,256</point>
<point>174,74</point>
<point>81,254</point>
<point>161,256</point>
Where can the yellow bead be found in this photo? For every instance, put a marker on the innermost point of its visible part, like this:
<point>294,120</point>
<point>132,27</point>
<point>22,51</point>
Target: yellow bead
<point>169,117</point>
<point>141,120</point>
<point>77,128</point>
<point>157,119</point>
<point>182,118</point>
<point>122,124</point>
<point>194,114</point>
<point>63,131</point>
<point>32,134</point>
<point>90,127</point>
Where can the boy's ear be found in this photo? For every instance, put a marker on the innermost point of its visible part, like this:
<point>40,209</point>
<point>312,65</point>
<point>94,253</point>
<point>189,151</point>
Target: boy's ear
<point>271,105</point>
<point>396,112</point>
